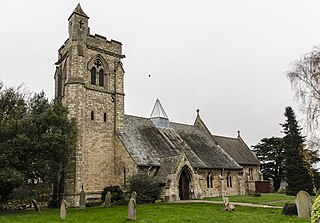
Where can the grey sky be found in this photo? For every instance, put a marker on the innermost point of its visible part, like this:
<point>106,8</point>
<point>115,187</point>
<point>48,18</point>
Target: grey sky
<point>227,58</point>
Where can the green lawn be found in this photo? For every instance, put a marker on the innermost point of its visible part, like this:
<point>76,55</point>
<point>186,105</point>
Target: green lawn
<point>197,212</point>
<point>271,199</point>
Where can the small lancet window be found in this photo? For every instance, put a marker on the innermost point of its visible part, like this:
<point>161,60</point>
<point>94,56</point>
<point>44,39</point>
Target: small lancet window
<point>209,180</point>
<point>92,115</point>
<point>229,180</point>
<point>101,78</point>
<point>105,117</point>
<point>250,173</point>
<point>93,75</point>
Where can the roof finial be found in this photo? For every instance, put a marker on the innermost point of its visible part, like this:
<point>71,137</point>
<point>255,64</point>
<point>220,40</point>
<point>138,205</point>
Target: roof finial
<point>239,134</point>
<point>198,111</point>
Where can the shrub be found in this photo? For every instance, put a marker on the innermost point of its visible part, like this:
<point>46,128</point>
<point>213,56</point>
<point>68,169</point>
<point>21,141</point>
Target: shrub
<point>290,209</point>
<point>315,213</point>
<point>93,203</point>
<point>146,187</point>
<point>318,193</point>
<point>116,193</point>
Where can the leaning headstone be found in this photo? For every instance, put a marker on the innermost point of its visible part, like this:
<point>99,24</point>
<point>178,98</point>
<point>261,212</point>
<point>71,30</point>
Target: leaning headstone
<point>82,203</point>
<point>134,195</point>
<point>132,209</point>
<point>108,200</point>
<point>36,205</point>
<point>303,202</point>
<point>63,211</point>
<point>227,205</point>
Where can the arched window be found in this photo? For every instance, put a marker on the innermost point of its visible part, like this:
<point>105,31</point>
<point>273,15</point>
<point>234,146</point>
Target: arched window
<point>93,75</point>
<point>229,179</point>
<point>101,78</point>
<point>209,180</point>
<point>250,173</point>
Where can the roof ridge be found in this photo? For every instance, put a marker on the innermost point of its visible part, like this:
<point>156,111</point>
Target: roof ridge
<point>225,137</point>
<point>136,116</point>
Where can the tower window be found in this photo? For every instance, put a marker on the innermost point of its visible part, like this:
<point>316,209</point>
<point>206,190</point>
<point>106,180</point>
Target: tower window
<point>93,75</point>
<point>97,71</point>
<point>92,115</point>
<point>101,78</point>
<point>105,117</point>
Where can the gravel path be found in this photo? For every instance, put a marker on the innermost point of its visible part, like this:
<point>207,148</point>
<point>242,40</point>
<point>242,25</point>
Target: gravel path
<point>234,203</point>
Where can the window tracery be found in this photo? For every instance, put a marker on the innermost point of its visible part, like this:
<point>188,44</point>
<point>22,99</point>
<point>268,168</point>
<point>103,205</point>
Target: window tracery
<point>97,71</point>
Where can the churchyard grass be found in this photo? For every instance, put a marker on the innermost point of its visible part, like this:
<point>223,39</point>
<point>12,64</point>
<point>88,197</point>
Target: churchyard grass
<point>184,212</point>
<point>272,199</point>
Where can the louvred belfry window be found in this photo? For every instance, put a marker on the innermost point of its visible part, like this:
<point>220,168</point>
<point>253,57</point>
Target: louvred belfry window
<point>97,74</point>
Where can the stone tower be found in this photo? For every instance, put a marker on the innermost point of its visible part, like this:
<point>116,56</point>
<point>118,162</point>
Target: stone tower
<point>89,81</point>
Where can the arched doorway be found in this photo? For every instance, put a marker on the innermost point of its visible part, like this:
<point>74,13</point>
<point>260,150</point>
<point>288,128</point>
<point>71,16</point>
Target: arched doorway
<point>184,182</point>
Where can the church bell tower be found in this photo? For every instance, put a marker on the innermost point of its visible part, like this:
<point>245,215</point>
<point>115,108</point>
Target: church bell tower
<point>89,81</point>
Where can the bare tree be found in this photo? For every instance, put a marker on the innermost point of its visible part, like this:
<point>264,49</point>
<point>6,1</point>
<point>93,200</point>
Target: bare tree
<point>305,81</point>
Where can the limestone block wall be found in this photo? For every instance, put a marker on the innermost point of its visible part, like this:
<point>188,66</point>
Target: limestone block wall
<point>98,143</point>
<point>251,174</point>
<point>219,183</point>
<point>123,161</point>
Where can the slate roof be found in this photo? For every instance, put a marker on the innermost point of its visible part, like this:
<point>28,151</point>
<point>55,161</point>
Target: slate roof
<point>237,149</point>
<point>168,166</point>
<point>148,145</point>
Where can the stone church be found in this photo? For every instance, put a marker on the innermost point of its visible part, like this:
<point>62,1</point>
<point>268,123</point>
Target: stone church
<point>186,160</point>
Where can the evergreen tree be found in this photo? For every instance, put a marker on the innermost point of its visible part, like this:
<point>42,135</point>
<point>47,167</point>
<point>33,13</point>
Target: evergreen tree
<point>270,152</point>
<point>36,141</point>
<point>296,173</point>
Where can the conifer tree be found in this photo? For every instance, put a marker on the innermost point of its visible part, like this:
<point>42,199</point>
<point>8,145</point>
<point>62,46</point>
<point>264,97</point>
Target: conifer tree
<point>270,152</point>
<point>296,173</point>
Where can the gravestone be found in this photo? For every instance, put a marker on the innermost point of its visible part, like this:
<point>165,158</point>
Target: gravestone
<point>227,205</point>
<point>134,195</point>
<point>132,209</point>
<point>82,203</point>
<point>63,211</point>
<point>108,200</point>
<point>304,206</point>
<point>36,205</point>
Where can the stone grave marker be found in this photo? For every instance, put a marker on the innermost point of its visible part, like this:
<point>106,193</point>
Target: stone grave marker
<point>108,199</point>
<point>227,205</point>
<point>36,205</point>
<point>132,209</point>
<point>63,211</point>
<point>82,203</point>
<point>134,195</point>
<point>304,206</point>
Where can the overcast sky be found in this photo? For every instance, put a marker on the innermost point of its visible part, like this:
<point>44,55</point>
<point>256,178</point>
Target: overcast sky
<point>227,58</point>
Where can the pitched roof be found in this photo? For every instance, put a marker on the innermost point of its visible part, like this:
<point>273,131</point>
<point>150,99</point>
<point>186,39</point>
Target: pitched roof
<point>78,10</point>
<point>168,166</point>
<point>148,144</point>
<point>237,149</point>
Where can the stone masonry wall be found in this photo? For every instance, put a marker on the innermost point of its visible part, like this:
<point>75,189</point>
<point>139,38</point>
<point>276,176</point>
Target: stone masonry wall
<point>93,162</point>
